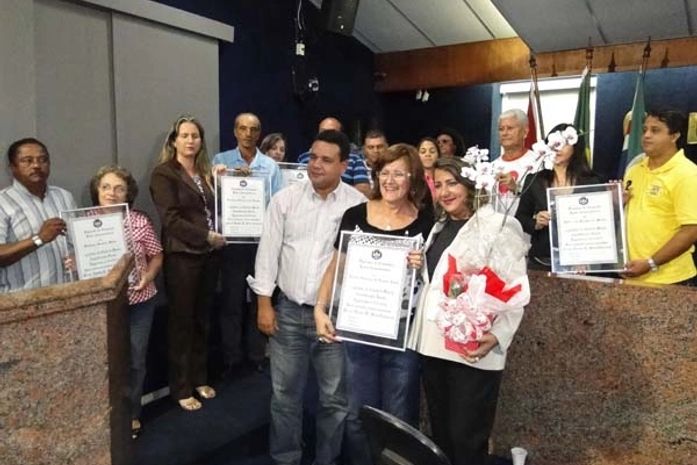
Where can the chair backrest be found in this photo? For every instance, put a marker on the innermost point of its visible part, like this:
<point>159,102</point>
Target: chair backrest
<point>394,442</point>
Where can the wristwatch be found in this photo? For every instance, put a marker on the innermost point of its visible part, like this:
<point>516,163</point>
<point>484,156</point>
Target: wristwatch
<point>37,241</point>
<point>652,264</point>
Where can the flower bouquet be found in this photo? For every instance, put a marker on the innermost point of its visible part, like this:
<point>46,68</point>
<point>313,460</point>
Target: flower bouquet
<point>487,277</point>
<point>471,302</point>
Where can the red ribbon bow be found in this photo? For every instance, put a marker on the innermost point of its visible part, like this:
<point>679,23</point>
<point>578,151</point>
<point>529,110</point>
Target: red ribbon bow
<point>495,286</point>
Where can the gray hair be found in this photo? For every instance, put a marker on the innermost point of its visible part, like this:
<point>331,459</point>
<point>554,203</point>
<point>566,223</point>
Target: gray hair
<point>516,113</point>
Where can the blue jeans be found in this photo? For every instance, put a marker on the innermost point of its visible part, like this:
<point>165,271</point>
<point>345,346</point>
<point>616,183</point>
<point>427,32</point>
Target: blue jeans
<point>140,318</point>
<point>381,378</point>
<point>292,349</point>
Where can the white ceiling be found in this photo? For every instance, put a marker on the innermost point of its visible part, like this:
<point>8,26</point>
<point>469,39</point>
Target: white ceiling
<point>393,25</point>
<point>569,24</point>
<point>545,25</point>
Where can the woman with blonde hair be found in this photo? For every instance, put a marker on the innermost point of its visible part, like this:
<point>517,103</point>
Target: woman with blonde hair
<point>181,189</point>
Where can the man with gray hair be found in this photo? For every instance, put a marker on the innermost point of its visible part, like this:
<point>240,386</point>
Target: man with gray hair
<point>516,161</point>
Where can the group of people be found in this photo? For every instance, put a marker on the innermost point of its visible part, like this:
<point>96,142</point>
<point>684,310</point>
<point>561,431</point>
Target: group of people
<point>398,190</point>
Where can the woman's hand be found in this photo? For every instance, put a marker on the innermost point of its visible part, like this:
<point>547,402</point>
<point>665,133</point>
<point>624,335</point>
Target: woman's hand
<point>215,240</point>
<point>324,326</point>
<point>219,169</point>
<point>143,282</point>
<point>486,343</point>
<point>542,219</point>
<point>415,259</point>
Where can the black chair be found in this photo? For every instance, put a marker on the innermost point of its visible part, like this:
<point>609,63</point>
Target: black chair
<point>394,442</point>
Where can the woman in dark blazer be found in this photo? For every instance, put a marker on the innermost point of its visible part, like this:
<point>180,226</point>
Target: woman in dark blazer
<point>181,190</point>
<point>570,169</point>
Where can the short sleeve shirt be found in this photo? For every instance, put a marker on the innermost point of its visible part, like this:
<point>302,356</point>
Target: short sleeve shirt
<point>21,216</point>
<point>146,245</point>
<point>663,200</point>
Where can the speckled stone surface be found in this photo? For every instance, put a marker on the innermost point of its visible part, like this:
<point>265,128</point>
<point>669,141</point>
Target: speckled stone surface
<point>62,367</point>
<point>602,373</point>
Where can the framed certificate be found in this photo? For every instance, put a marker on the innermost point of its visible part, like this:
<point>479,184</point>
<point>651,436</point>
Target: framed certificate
<point>293,173</point>
<point>587,230</point>
<point>373,291</point>
<point>240,204</point>
<point>97,238</point>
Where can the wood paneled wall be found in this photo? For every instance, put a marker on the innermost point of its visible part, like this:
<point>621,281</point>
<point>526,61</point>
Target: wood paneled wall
<point>507,60</point>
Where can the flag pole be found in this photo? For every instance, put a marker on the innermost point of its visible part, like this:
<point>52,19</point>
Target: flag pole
<point>536,91</point>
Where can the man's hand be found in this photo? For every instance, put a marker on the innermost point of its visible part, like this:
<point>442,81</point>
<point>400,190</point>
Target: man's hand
<point>266,318</point>
<point>363,188</point>
<point>243,171</point>
<point>51,229</point>
<point>507,180</point>
<point>636,268</point>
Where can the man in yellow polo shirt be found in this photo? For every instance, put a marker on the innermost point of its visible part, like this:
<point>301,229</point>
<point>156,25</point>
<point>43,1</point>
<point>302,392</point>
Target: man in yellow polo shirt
<point>662,205</point>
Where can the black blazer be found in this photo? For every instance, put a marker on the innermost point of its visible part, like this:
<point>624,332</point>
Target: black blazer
<point>533,200</point>
<point>181,209</point>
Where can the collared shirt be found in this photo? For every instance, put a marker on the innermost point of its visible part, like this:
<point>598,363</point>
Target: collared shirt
<point>261,164</point>
<point>356,171</point>
<point>663,200</point>
<point>298,240</point>
<point>21,216</point>
<point>520,168</point>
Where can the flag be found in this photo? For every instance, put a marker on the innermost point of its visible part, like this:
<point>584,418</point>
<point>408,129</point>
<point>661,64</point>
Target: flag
<point>533,118</point>
<point>582,119</point>
<point>636,126</point>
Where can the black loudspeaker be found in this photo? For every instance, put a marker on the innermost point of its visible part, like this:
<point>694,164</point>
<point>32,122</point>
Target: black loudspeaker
<point>339,15</point>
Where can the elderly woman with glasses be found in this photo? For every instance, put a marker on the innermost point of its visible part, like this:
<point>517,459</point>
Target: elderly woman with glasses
<point>381,378</point>
<point>181,189</point>
<point>114,185</point>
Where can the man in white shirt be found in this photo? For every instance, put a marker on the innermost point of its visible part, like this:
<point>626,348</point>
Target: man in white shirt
<point>300,226</point>
<point>30,255</point>
<point>516,162</point>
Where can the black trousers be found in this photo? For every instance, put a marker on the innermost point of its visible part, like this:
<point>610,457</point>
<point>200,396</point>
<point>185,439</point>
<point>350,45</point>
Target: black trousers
<point>190,281</point>
<point>240,338</point>
<point>462,405</point>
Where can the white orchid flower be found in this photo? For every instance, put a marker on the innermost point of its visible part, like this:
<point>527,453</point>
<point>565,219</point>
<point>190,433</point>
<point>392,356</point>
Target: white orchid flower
<point>556,141</point>
<point>570,135</point>
<point>475,155</point>
<point>545,153</point>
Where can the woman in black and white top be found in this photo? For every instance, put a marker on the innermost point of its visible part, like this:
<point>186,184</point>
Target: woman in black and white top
<point>382,378</point>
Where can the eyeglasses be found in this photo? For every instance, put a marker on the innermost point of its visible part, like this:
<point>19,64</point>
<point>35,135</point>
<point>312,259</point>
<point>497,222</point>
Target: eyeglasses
<point>28,161</point>
<point>396,175</point>
<point>120,190</point>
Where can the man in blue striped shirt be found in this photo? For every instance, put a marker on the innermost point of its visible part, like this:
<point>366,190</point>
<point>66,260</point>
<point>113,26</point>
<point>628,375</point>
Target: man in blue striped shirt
<point>30,255</point>
<point>356,173</point>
